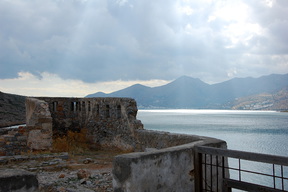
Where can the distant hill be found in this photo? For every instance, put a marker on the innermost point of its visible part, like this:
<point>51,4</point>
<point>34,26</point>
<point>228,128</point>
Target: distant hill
<point>188,92</point>
<point>12,109</point>
<point>264,101</point>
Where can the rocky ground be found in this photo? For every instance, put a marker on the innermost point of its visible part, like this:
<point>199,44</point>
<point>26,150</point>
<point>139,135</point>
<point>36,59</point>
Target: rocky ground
<point>67,173</point>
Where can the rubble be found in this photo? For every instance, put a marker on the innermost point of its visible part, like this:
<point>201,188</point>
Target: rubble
<point>66,173</point>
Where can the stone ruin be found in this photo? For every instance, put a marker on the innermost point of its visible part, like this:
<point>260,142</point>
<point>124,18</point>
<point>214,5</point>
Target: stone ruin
<point>110,122</point>
<point>160,161</point>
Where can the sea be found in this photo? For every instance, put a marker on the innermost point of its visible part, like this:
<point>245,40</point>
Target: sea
<point>252,131</point>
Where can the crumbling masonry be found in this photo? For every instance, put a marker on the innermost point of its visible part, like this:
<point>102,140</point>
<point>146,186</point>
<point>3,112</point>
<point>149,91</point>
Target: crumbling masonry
<point>110,122</point>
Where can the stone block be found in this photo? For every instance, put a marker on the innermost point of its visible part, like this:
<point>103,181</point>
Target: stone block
<point>22,138</point>
<point>36,141</point>
<point>2,152</point>
<point>18,180</point>
<point>9,138</point>
<point>47,126</point>
<point>45,120</point>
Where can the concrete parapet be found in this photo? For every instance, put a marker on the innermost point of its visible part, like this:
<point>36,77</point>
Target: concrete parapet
<point>16,180</point>
<point>166,169</point>
<point>160,139</point>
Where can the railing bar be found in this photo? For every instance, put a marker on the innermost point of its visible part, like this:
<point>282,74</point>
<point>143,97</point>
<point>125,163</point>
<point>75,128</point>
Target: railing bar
<point>242,185</point>
<point>211,174</point>
<point>223,167</point>
<point>258,173</point>
<point>205,169</point>
<point>274,179</point>
<point>198,167</point>
<point>239,166</point>
<point>282,175</point>
<point>265,158</point>
<point>217,180</point>
<point>253,172</point>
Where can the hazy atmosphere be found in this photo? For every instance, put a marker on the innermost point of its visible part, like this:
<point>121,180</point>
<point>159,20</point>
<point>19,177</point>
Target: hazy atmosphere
<point>74,48</point>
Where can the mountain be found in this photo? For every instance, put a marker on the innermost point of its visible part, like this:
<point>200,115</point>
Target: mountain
<point>12,109</point>
<point>188,92</point>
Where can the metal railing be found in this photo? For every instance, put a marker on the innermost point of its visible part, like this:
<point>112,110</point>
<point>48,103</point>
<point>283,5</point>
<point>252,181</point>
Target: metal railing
<point>212,172</point>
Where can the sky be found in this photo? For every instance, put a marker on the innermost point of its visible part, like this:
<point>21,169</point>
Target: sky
<point>78,47</point>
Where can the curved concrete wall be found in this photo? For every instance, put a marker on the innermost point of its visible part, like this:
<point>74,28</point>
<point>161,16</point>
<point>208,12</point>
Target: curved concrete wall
<point>164,169</point>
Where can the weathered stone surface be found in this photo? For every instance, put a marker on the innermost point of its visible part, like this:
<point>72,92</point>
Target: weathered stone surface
<point>111,122</point>
<point>16,180</point>
<point>39,121</point>
<point>13,143</point>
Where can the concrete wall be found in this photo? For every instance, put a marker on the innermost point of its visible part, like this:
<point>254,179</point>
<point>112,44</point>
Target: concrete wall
<point>166,169</point>
<point>160,139</point>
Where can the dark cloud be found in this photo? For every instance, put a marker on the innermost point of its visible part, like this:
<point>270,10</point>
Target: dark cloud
<point>128,40</point>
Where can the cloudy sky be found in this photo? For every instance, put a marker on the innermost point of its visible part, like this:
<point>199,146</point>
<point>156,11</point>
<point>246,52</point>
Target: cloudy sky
<point>78,47</point>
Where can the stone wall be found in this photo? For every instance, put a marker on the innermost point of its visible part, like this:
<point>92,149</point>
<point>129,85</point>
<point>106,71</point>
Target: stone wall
<point>38,124</point>
<point>162,169</point>
<point>13,142</point>
<point>110,122</point>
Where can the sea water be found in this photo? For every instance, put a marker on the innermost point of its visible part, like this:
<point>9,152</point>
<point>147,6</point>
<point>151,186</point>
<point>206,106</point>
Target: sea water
<point>253,131</point>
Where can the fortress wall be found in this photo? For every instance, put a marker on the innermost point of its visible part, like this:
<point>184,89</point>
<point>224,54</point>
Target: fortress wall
<point>110,122</point>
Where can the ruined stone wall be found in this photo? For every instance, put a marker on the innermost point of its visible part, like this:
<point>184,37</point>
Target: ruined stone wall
<point>13,142</point>
<point>110,122</point>
<point>35,136</point>
<point>38,124</point>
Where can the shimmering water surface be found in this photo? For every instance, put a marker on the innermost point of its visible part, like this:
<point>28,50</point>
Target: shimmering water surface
<point>253,131</point>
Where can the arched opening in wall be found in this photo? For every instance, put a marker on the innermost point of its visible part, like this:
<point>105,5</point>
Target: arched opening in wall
<point>97,109</point>
<point>78,106</point>
<point>118,111</point>
<point>89,106</point>
<point>107,112</point>
<point>54,105</point>
<point>73,106</point>
<point>83,106</point>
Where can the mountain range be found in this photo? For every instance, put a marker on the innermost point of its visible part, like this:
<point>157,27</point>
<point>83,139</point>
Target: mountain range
<point>263,93</point>
<point>187,92</point>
